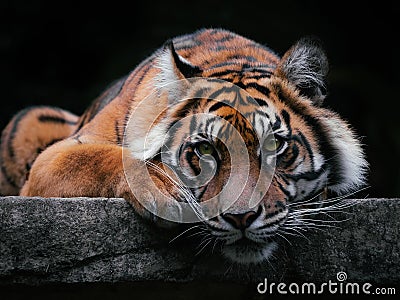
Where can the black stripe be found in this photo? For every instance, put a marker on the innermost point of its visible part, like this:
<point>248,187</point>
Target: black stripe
<point>286,118</point>
<point>8,177</point>
<point>285,191</point>
<point>14,129</point>
<point>277,123</point>
<point>222,90</point>
<point>200,93</point>
<point>295,154</point>
<point>223,64</point>
<point>294,167</point>
<point>118,136</point>
<point>326,147</point>
<point>260,112</point>
<point>262,89</point>
<point>184,45</point>
<point>55,119</point>
<point>189,156</point>
<point>265,74</point>
<point>41,149</point>
<point>211,31</point>
<point>187,70</point>
<point>312,175</point>
<point>190,104</point>
<point>77,138</point>
<point>228,117</point>
<point>261,102</point>
<point>220,48</point>
<point>217,106</point>
<point>281,176</point>
<point>201,193</point>
<point>146,66</point>
<point>248,58</point>
<point>231,48</point>
<point>172,130</point>
<point>302,139</point>
<point>225,39</point>
<point>261,68</point>
<point>223,73</point>
<point>241,100</point>
<point>82,121</point>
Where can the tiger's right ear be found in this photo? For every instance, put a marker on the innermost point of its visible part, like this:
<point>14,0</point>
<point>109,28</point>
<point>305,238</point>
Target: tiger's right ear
<point>173,66</point>
<point>306,66</point>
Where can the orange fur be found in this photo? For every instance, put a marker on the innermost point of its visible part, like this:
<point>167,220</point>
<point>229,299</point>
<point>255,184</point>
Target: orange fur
<point>88,161</point>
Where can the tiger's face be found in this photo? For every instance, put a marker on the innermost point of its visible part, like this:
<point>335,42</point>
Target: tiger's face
<point>255,150</point>
<point>275,153</point>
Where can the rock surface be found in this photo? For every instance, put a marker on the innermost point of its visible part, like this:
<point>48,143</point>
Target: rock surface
<point>92,240</point>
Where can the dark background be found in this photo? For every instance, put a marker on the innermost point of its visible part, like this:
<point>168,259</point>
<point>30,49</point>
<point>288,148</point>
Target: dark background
<point>65,54</point>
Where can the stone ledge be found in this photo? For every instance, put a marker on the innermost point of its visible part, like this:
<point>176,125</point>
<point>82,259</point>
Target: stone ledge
<point>92,240</point>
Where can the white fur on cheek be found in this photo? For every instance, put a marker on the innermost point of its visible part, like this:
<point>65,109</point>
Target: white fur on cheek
<point>146,147</point>
<point>145,143</point>
<point>352,166</point>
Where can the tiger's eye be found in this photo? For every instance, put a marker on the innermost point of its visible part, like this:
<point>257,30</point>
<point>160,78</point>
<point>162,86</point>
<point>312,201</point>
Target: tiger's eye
<point>205,148</point>
<point>272,144</point>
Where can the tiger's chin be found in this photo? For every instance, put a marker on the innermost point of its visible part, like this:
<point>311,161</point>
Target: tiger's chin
<point>248,252</point>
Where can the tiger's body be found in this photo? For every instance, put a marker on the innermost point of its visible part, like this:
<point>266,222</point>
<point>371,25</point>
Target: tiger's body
<point>49,152</point>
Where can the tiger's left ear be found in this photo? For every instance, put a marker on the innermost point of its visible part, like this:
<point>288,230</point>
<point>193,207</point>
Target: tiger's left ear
<point>173,66</point>
<point>306,66</point>
<point>174,70</point>
<point>145,134</point>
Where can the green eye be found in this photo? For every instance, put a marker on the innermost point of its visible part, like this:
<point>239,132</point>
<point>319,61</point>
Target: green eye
<point>205,148</point>
<point>272,144</point>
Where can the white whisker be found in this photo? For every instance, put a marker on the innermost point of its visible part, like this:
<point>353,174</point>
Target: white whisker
<point>322,202</point>
<point>198,227</point>
<point>188,195</point>
<point>206,242</point>
<point>282,236</point>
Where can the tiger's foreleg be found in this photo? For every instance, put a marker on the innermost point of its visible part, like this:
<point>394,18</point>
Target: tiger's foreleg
<point>71,169</point>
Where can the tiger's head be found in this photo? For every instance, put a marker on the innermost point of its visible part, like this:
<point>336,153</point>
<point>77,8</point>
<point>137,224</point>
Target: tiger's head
<point>247,149</point>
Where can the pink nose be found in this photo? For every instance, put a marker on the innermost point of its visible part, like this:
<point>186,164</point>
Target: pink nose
<point>241,221</point>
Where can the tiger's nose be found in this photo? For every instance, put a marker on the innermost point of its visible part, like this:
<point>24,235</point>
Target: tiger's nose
<point>241,221</point>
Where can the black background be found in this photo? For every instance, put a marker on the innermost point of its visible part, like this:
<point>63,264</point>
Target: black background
<point>64,54</point>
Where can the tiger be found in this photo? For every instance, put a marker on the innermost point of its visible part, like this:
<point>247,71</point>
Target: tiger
<point>271,105</point>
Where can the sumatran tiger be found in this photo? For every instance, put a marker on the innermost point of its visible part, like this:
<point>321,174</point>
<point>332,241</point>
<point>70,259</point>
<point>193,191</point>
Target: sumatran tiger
<point>210,100</point>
